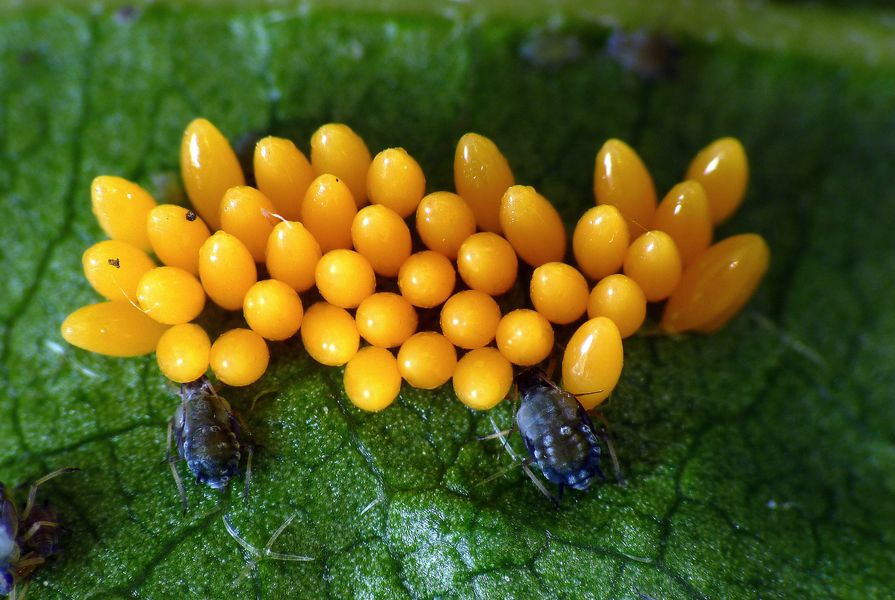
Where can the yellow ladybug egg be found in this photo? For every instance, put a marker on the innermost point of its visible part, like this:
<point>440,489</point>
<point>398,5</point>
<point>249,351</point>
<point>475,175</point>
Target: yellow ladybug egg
<point>684,215</point>
<point>444,221</point>
<point>170,295</point>
<point>600,241</point>
<point>427,279</point>
<point>176,234</point>
<point>717,284</point>
<point>328,211</point>
<point>386,319</point>
<point>382,237</point>
<point>488,263</point>
<point>481,176</point>
<point>621,179</point>
<point>292,255</point>
<point>654,262</point>
<point>183,353</point>
<point>532,226</point>
<point>247,214</point>
<point>427,360</point>
<point>273,310</point>
<point>337,150</point>
<point>283,174</point>
<point>121,207</point>
<point>723,170</point>
<point>469,319</point>
<point>344,278</point>
<point>239,357</point>
<point>592,361</point>
<point>559,292</point>
<point>114,268</point>
<point>396,180</point>
<point>483,378</point>
<point>524,337</point>
<point>371,380</point>
<point>209,168</point>
<point>329,334</point>
<point>112,328</point>
<point>226,269</point>
<point>621,299</point>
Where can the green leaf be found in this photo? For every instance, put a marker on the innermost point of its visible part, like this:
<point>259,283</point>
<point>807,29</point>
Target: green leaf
<point>760,461</point>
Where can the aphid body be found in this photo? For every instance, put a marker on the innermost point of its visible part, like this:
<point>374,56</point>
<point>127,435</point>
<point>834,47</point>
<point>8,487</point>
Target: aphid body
<point>208,435</point>
<point>557,432</point>
<point>27,538</point>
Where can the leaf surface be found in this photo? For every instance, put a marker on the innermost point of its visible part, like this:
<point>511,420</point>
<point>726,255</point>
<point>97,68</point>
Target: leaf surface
<point>760,461</point>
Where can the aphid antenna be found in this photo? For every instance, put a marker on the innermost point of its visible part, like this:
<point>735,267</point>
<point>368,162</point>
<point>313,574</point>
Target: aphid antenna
<point>267,215</point>
<point>32,493</point>
<point>260,395</point>
<point>790,341</point>
<point>655,331</point>
<point>261,554</point>
<point>127,297</point>
<point>604,434</point>
<point>503,441</point>
<point>641,559</point>
<point>645,230</point>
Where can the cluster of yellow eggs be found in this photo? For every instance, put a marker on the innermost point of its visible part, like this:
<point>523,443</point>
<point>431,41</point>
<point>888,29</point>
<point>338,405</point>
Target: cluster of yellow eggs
<point>339,223</point>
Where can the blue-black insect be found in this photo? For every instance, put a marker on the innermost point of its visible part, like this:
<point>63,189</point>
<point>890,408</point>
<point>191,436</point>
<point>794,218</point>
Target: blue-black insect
<point>27,538</point>
<point>558,434</point>
<point>209,436</point>
<point>651,55</point>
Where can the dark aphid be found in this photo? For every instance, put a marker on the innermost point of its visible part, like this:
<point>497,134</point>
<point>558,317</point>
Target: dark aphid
<point>651,55</point>
<point>558,433</point>
<point>27,538</point>
<point>209,436</point>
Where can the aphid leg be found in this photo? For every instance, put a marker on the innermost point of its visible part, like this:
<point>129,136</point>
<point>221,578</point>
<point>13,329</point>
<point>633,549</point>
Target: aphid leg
<point>534,479</point>
<point>791,342</point>
<point>551,367</point>
<point>250,452</point>
<point>13,595</point>
<point>503,441</point>
<point>499,474</point>
<point>258,555</point>
<point>26,565</point>
<point>172,463</point>
<point>32,493</point>
<point>207,387</point>
<point>559,492</point>
<point>373,504</point>
<point>278,555</point>
<point>247,441</point>
<point>504,433</point>
<point>604,434</point>
<point>35,527</point>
